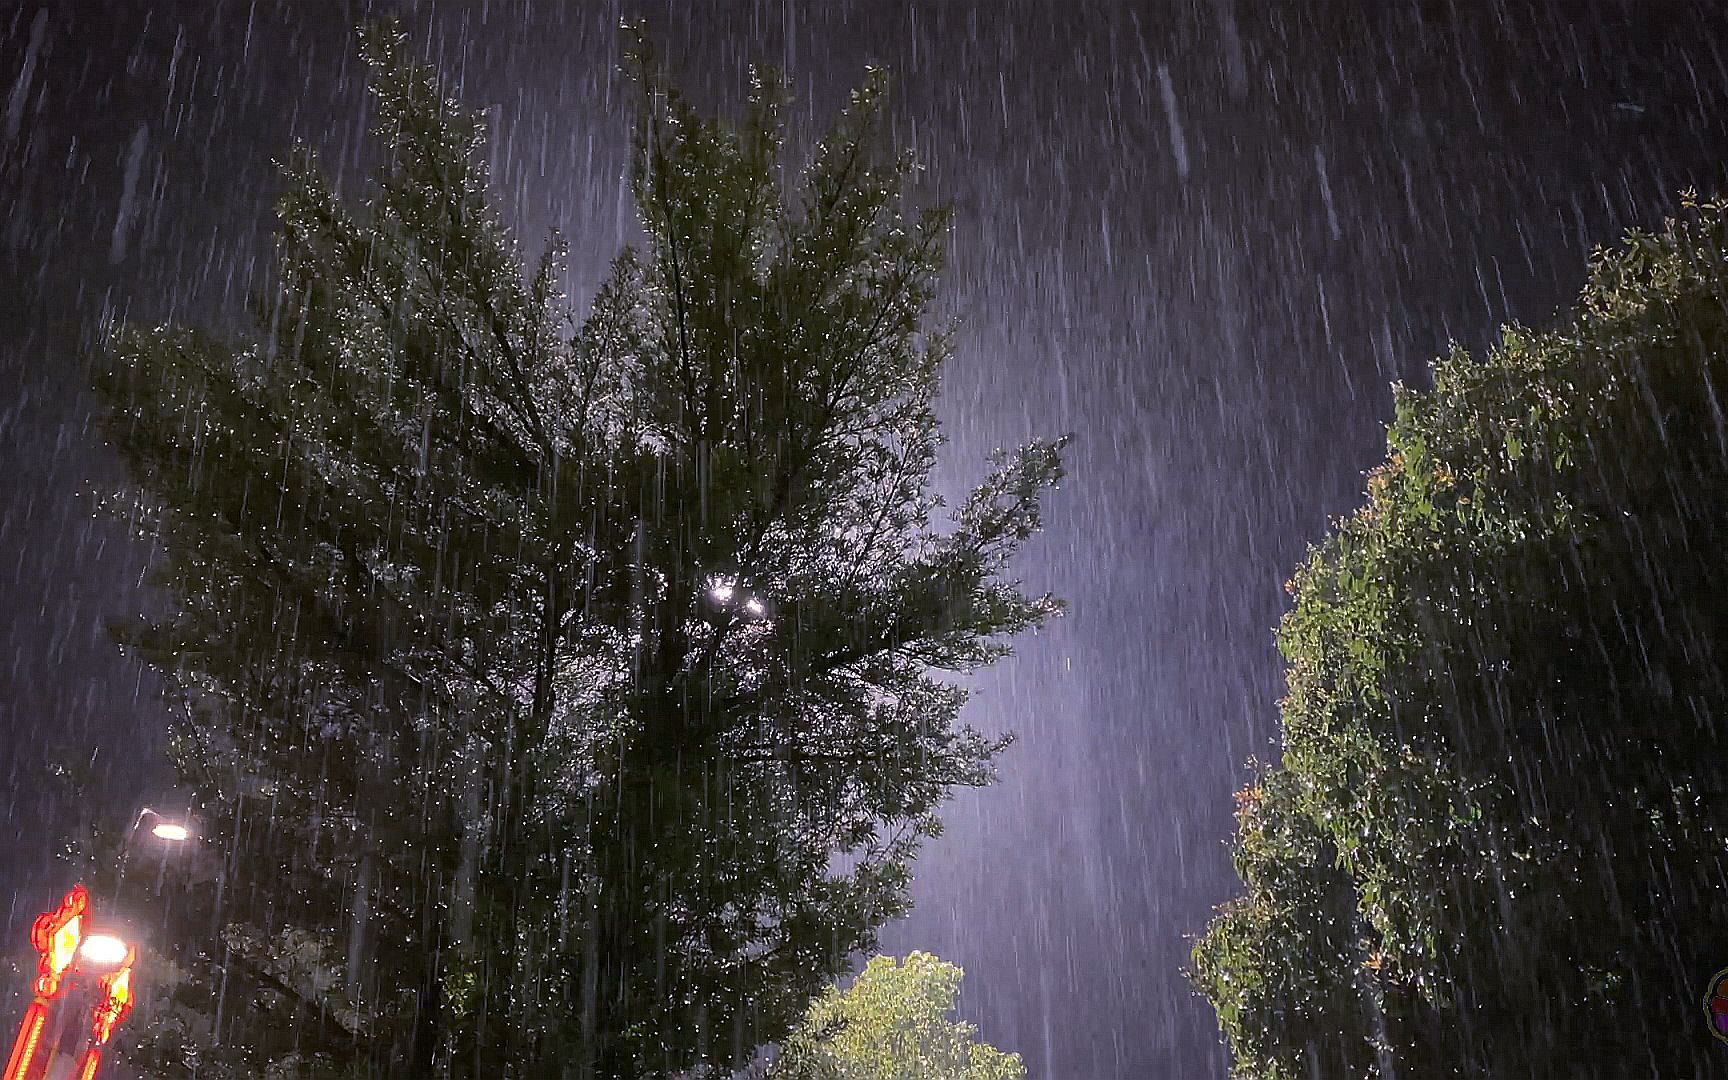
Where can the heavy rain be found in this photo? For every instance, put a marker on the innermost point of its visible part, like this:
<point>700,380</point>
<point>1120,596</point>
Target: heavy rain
<point>439,659</point>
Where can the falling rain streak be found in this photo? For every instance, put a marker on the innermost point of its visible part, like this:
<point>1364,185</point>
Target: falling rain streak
<point>1203,238</point>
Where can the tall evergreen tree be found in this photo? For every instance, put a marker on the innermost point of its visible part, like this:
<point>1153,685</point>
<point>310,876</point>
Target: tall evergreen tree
<point>562,695</point>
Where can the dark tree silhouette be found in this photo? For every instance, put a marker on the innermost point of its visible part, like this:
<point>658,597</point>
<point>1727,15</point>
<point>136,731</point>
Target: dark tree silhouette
<point>562,695</point>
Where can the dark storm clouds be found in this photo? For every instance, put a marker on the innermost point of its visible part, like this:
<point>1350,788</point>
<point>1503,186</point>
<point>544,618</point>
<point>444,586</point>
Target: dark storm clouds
<point>1204,236</point>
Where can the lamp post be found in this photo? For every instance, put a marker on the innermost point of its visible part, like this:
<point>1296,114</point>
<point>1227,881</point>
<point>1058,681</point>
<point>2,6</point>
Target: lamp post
<point>167,830</point>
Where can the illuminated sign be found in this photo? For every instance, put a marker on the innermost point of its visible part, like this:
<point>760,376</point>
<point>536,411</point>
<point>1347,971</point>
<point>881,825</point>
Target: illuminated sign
<point>60,942</point>
<point>115,1004</point>
<point>55,937</point>
<point>29,1040</point>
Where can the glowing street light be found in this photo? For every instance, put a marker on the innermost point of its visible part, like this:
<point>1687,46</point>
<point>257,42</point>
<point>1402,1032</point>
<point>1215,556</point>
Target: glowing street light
<point>726,594</point>
<point>103,951</point>
<point>165,828</point>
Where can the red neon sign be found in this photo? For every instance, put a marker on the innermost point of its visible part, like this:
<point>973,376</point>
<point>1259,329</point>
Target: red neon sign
<point>116,1003</point>
<point>29,1039</point>
<point>55,936</point>
<point>116,988</point>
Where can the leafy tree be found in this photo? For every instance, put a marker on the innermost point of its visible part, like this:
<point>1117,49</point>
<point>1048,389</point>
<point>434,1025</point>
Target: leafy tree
<point>1291,967</point>
<point>537,669</point>
<point>892,1024</point>
<point>1505,711</point>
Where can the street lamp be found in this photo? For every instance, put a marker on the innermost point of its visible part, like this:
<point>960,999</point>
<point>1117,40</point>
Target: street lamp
<point>103,951</point>
<point>727,594</point>
<point>165,828</point>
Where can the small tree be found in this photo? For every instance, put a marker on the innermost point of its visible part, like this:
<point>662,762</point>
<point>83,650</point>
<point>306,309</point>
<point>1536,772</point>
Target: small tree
<point>537,669</point>
<point>892,1024</point>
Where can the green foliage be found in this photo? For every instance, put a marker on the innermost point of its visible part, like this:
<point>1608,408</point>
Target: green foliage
<point>892,1024</point>
<point>537,668</point>
<point>1289,965</point>
<point>1504,729</point>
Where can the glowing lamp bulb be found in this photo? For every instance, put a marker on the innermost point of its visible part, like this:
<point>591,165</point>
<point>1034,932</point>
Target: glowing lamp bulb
<point>167,830</point>
<point>103,950</point>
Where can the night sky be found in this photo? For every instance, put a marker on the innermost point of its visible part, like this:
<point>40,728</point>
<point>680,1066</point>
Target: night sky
<point>1204,236</point>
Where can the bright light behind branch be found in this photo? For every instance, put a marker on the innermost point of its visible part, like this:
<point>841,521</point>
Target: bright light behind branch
<point>103,950</point>
<point>167,830</point>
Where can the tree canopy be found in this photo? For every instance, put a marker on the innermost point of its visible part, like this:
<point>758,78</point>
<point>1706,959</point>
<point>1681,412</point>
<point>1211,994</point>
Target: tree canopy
<point>563,694</point>
<point>1495,838</point>
<point>892,1024</point>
